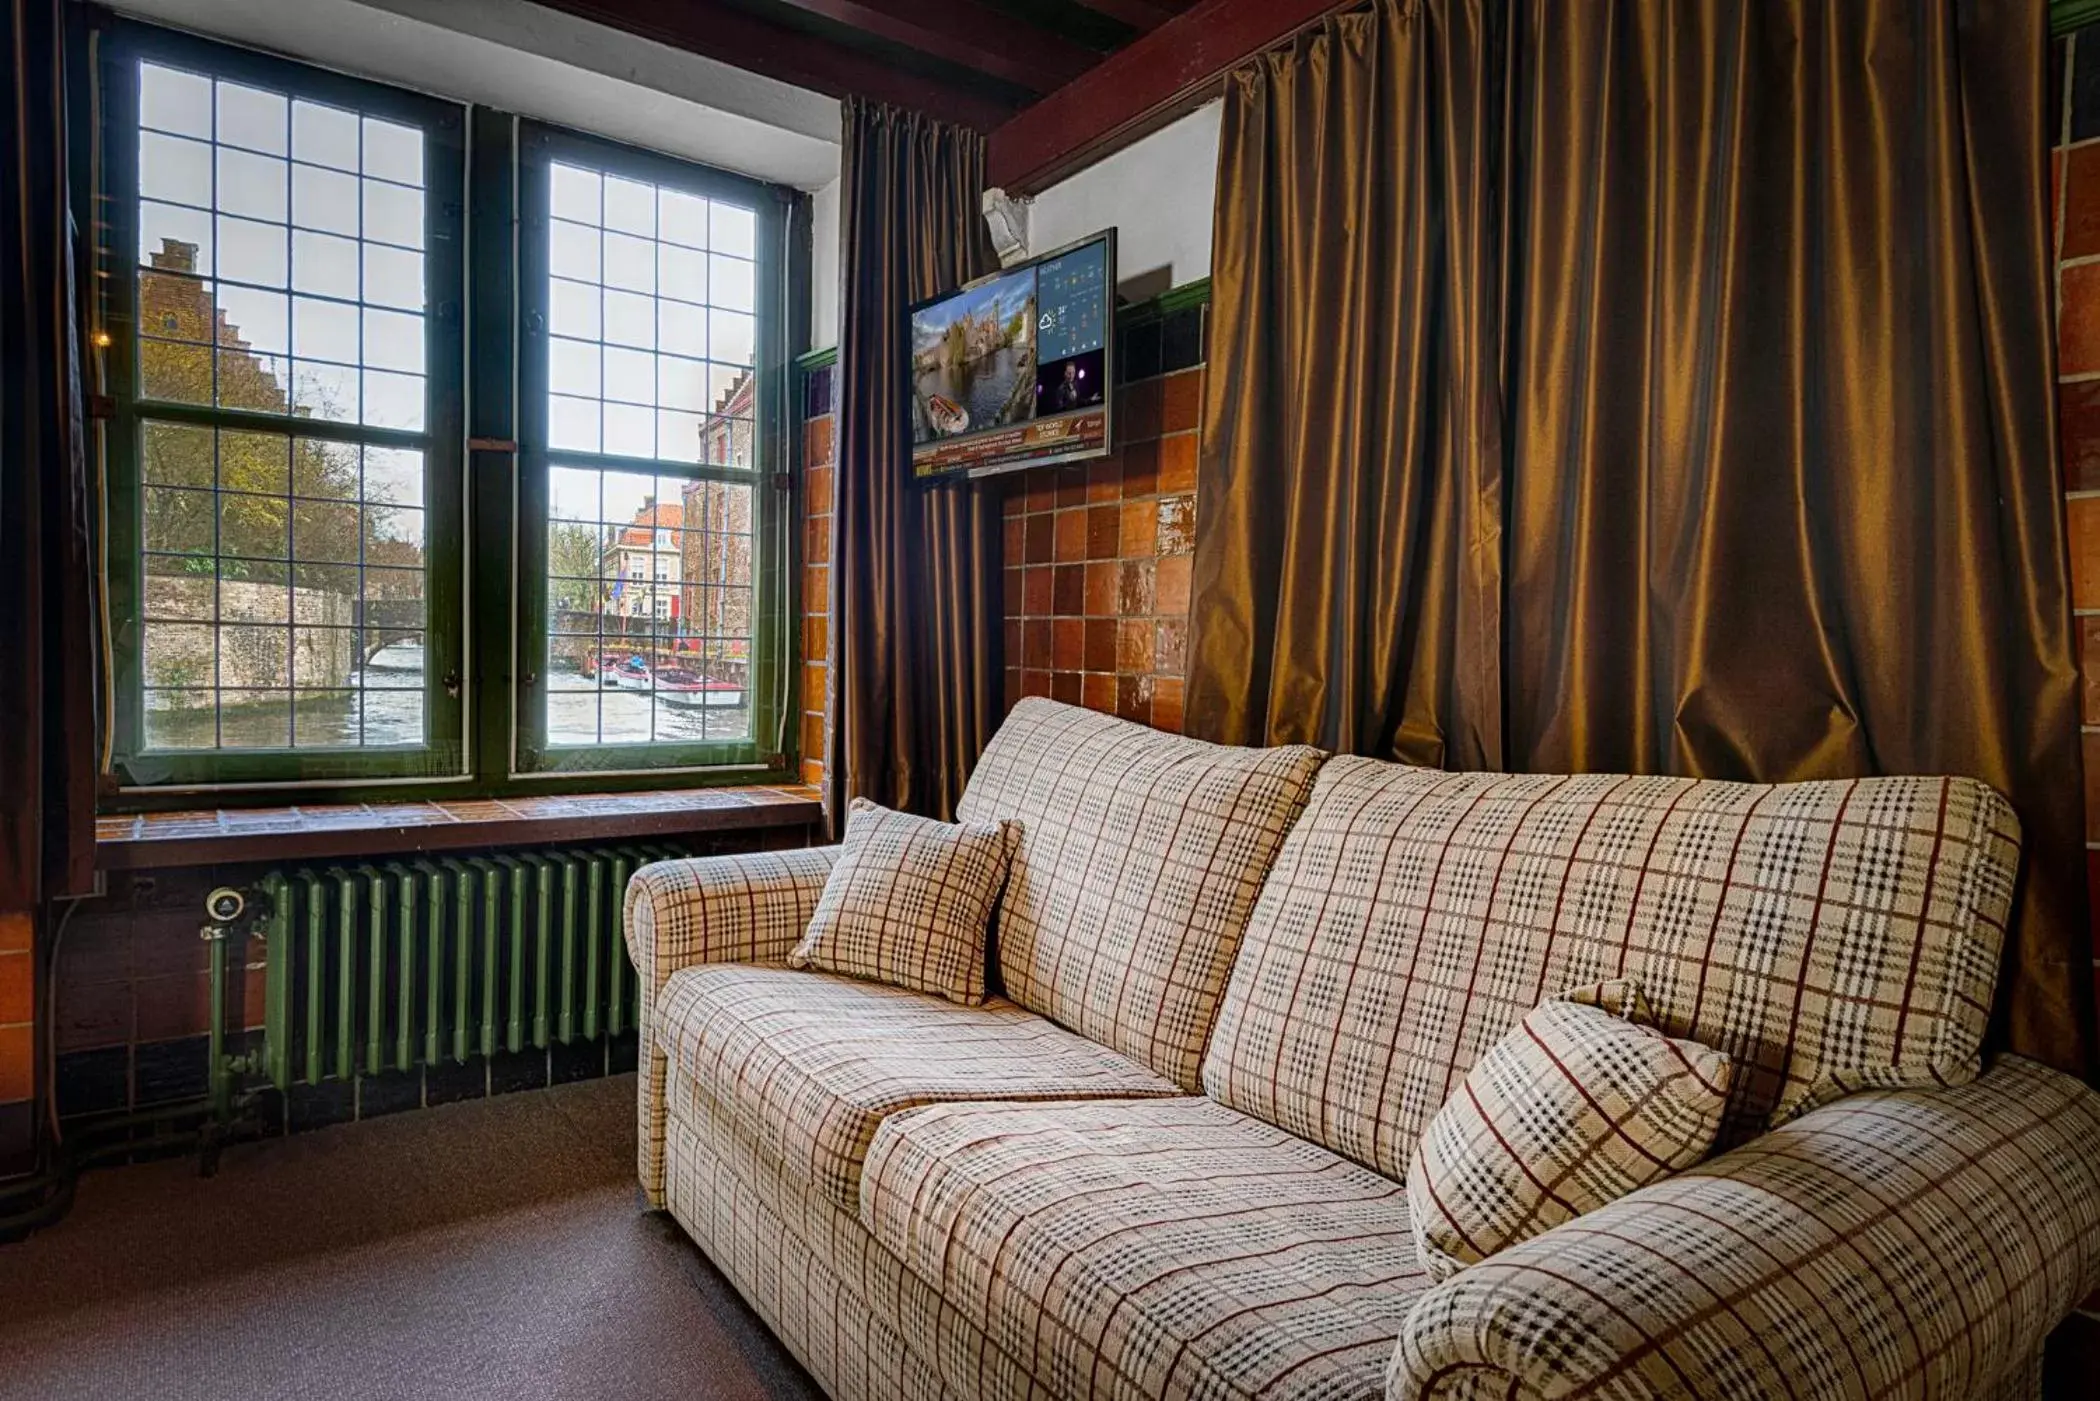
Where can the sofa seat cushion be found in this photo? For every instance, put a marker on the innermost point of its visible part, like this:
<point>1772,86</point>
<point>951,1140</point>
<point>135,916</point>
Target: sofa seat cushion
<point>1157,1248</point>
<point>806,1065</point>
<point>1826,937</point>
<point>1138,857</point>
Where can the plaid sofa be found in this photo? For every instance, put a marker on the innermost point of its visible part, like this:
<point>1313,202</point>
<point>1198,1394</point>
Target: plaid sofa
<point>1167,1161</point>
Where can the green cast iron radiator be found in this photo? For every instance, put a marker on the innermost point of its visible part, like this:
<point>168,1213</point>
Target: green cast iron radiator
<point>395,965</point>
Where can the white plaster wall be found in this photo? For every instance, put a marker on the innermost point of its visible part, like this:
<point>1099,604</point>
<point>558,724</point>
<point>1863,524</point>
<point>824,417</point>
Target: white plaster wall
<point>1157,194</point>
<point>824,268</point>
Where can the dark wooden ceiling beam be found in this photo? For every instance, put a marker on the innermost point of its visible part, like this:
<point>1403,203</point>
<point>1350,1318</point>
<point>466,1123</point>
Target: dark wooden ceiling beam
<point>1138,14</point>
<point>1139,88</point>
<point>962,33</point>
<point>731,34</point>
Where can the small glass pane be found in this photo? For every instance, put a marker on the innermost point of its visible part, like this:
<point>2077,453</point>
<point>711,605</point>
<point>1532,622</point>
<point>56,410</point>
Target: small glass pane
<point>328,592</point>
<point>630,262</point>
<point>175,373</point>
<point>393,400</point>
<point>630,319</point>
<point>254,462</point>
<point>176,308</point>
<point>255,719</point>
<point>325,655</point>
<point>323,330</point>
<point>251,118</point>
<point>731,336</point>
<point>681,328</point>
<point>393,277</point>
<point>254,252</point>
<point>393,214</point>
<point>683,272</point>
<point>255,382</point>
<point>177,454</point>
<point>172,100</point>
<point>325,471</point>
<point>393,535</point>
<point>183,597</point>
<point>394,340</point>
<point>174,238</point>
<point>325,200</point>
<point>573,251</point>
<point>396,716</point>
<point>394,476</point>
<point>250,185</point>
<point>572,309</point>
<point>246,599</point>
<point>681,383</point>
<point>678,436</point>
<point>630,206</point>
<point>181,654</point>
<point>182,719</point>
<point>630,375</point>
<point>253,319</point>
<point>630,431</point>
<point>682,218</point>
<point>326,532</point>
<point>393,599</point>
<point>325,265</point>
<point>393,152</point>
<point>178,522</point>
<point>732,283</point>
<point>330,393</point>
<point>324,719</point>
<point>572,424</point>
<point>174,168</point>
<point>251,655</point>
<point>573,367</point>
<point>254,527</point>
<point>573,193</point>
<point>324,135</point>
<point>732,230</point>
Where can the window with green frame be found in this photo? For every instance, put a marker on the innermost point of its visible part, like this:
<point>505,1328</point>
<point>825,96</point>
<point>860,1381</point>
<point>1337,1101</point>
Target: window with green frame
<point>651,555</point>
<point>296,311</point>
<point>282,281</point>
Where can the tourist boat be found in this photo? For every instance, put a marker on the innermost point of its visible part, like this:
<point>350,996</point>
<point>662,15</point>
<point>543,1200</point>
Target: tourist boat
<point>949,417</point>
<point>677,686</point>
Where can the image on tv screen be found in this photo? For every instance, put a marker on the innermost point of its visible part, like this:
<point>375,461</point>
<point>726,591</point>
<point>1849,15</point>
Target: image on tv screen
<point>973,359</point>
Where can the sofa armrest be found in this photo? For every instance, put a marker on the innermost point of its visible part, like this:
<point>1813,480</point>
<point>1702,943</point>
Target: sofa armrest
<point>747,908</point>
<point>1916,1243</point>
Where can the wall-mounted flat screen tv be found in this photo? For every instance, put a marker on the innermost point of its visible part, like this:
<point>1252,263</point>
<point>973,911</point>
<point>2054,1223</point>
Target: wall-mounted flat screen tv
<point>1014,370</point>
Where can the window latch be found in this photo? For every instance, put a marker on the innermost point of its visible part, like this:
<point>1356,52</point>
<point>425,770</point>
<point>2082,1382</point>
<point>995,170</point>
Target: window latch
<point>451,683</point>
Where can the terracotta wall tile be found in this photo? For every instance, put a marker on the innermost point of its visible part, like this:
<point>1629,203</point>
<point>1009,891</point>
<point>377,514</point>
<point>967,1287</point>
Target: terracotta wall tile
<point>16,929</point>
<point>1104,532</point>
<point>17,1003</point>
<point>2078,320</point>
<point>2090,742</point>
<point>1072,535</point>
<point>2081,203</point>
<point>1177,463</point>
<point>2083,519</point>
<point>1172,595</point>
<point>2078,421</point>
<point>17,1063</point>
<point>1166,702</point>
<point>1181,402</point>
<point>1177,525</point>
<point>1068,589</point>
<point>1140,526</point>
<point>2089,668</point>
<point>1101,580</point>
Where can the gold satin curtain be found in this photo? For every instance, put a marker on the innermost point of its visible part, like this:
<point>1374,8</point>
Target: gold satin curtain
<point>915,598</point>
<point>1702,422</point>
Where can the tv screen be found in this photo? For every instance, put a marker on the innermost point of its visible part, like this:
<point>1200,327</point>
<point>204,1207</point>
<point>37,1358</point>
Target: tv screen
<point>1014,370</point>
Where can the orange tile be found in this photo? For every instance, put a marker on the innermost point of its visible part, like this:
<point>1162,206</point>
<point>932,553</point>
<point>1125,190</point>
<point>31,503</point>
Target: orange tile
<point>1010,593</point>
<point>813,772</point>
<point>1035,683</point>
<point>1177,463</point>
<point>1104,531</point>
<point>2078,426</point>
<point>1098,691</point>
<point>1171,597</point>
<point>17,1001</point>
<point>816,541</point>
<point>16,928</point>
<point>1064,686</point>
<point>1039,544</point>
<point>816,494</point>
<point>814,675</point>
<point>1038,644</point>
<point>1068,592</point>
<point>2081,202</point>
<point>816,589</point>
<point>2089,669</point>
<point>2078,321</point>
<point>1010,637</point>
<point>1101,577</point>
<point>1166,703</point>
<point>1068,644</point>
<point>1139,530</point>
<point>816,637</point>
<point>2091,744</point>
<point>817,441</point>
<point>1180,402</point>
<point>812,734</point>
<point>1071,486</point>
<point>1014,538</point>
<point>1134,645</point>
<point>2056,192</point>
<point>2082,516</point>
<point>1134,698</point>
<point>1137,412</point>
<point>1170,652</point>
<point>1042,490</point>
<point>1140,468</point>
<point>1071,535</point>
<point>1135,588</point>
<point>1039,591</point>
<point>1104,479</point>
<point>1100,653</point>
<point>17,1063</point>
<point>1177,524</point>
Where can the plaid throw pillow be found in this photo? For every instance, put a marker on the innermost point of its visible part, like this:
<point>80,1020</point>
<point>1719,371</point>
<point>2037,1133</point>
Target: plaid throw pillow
<point>1578,1105</point>
<point>908,903</point>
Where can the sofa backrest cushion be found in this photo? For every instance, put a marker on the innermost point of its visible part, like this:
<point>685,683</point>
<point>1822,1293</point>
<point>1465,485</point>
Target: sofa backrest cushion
<point>1825,936</point>
<point>1138,858</point>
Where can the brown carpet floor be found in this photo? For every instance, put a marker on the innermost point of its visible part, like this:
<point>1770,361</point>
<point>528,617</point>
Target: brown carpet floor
<point>496,1248</point>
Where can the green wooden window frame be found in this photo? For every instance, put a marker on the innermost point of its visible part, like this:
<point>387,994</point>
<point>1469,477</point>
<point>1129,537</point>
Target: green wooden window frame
<point>767,745</point>
<point>120,48</point>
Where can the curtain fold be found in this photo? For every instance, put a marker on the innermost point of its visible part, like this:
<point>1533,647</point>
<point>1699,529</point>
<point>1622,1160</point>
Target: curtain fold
<point>915,588</point>
<point>48,657</point>
<point>1348,560</point>
<point>1741,432</point>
